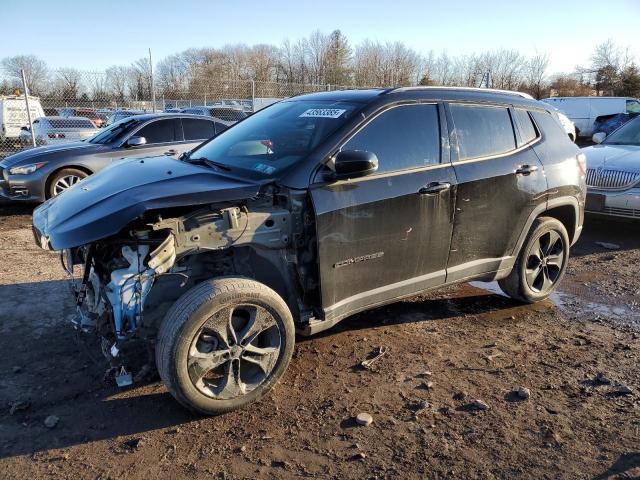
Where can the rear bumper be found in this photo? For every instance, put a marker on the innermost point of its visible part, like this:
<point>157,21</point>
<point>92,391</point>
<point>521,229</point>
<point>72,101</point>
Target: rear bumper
<point>625,204</point>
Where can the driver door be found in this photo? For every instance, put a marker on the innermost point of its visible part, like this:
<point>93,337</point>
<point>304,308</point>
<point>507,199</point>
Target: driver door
<point>387,234</point>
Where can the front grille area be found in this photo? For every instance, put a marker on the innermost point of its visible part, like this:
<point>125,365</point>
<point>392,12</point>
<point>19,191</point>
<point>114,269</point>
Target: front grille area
<point>611,179</point>
<point>623,212</point>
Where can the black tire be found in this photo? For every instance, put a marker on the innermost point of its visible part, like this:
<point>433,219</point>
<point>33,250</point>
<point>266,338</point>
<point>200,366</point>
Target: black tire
<point>531,281</point>
<point>198,315</point>
<point>59,176</point>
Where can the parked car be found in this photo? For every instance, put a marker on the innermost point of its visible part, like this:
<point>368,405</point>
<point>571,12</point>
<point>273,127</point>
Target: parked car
<point>612,123</point>
<point>120,114</point>
<point>90,113</point>
<point>173,110</point>
<point>309,211</point>
<point>225,114</point>
<point>56,130</point>
<point>584,112</point>
<point>613,172</point>
<point>40,173</point>
<point>13,115</point>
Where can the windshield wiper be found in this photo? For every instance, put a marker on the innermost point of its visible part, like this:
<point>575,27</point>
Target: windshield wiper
<point>208,163</point>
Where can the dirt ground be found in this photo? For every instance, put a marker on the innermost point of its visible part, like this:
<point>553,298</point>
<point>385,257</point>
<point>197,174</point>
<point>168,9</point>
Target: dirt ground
<point>575,353</point>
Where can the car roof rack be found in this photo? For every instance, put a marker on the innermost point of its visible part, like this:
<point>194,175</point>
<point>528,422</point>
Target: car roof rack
<point>464,89</point>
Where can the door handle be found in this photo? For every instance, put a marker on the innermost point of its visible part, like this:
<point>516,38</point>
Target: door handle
<point>526,169</point>
<point>171,152</point>
<point>434,187</point>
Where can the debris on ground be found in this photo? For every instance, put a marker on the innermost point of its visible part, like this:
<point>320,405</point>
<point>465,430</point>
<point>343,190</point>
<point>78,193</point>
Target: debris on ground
<point>133,443</point>
<point>621,389</point>
<point>523,393</point>
<point>364,419</point>
<point>379,353</point>
<point>608,245</point>
<point>478,405</point>
<point>51,421</point>
<point>602,379</point>
<point>18,406</point>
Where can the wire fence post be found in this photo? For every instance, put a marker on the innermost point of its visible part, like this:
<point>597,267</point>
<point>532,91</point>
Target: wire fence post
<point>253,95</point>
<point>153,88</point>
<point>26,101</point>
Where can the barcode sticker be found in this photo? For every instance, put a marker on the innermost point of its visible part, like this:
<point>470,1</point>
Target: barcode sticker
<point>323,112</point>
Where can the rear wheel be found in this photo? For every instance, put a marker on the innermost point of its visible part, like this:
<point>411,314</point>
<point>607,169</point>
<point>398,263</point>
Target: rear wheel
<point>63,180</point>
<point>541,263</point>
<point>224,344</point>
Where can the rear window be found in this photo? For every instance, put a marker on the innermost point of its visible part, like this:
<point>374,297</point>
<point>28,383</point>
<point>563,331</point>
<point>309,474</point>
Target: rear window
<point>482,130</point>
<point>527,129</point>
<point>70,123</point>
<point>228,114</point>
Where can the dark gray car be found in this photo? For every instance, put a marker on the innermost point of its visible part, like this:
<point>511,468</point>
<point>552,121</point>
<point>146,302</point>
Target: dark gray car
<point>40,173</point>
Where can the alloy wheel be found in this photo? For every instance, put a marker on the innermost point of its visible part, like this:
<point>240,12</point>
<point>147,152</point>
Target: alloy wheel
<point>234,352</point>
<point>64,183</point>
<point>545,261</point>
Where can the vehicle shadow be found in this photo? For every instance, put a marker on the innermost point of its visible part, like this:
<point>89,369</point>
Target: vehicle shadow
<point>624,463</point>
<point>622,233</point>
<point>47,369</point>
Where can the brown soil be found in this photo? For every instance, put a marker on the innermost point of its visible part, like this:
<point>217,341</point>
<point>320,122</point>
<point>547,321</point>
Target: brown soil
<point>446,349</point>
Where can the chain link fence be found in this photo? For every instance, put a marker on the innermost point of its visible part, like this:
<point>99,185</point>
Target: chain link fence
<point>70,105</point>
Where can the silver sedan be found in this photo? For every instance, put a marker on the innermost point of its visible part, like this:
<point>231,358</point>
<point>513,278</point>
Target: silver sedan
<point>613,172</point>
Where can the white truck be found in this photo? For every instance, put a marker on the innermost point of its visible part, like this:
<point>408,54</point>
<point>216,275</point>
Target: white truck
<point>584,111</point>
<point>13,115</point>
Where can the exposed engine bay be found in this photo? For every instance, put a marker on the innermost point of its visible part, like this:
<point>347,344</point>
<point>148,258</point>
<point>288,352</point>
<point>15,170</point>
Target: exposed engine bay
<point>125,284</point>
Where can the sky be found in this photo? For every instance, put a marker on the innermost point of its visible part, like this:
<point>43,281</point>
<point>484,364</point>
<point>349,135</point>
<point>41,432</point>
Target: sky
<point>92,35</point>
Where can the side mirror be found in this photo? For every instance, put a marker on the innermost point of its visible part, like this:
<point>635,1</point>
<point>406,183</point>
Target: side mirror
<point>355,163</point>
<point>136,142</point>
<point>599,137</point>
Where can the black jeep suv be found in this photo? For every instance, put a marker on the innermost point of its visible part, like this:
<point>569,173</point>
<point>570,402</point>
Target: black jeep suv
<point>308,211</point>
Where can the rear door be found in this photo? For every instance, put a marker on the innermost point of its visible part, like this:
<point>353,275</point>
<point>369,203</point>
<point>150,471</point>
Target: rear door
<point>500,182</point>
<point>387,234</point>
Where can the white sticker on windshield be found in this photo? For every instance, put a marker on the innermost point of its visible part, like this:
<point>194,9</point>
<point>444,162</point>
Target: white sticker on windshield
<point>323,112</point>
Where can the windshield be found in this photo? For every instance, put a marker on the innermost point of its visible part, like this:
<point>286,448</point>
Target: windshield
<point>276,137</point>
<point>627,134</point>
<point>113,131</point>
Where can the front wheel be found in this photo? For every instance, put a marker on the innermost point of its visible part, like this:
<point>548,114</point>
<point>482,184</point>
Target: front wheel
<point>541,263</point>
<point>224,344</point>
<point>63,180</point>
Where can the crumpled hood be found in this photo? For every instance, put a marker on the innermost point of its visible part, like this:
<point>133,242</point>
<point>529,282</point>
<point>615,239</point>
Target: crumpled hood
<point>613,157</point>
<point>104,203</point>
<point>40,154</point>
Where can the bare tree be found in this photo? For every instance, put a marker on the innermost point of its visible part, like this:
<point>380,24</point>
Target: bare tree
<point>67,83</point>
<point>536,75</point>
<point>35,72</point>
<point>117,79</point>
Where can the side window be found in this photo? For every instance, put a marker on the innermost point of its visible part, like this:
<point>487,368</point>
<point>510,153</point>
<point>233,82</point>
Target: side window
<point>633,106</point>
<point>161,131</point>
<point>195,129</point>
<point>527,129</point>
<point>482,131</point>
<point>402,137</point>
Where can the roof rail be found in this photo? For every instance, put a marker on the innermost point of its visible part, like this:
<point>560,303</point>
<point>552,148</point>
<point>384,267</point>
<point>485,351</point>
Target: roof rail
<point>468,89</point>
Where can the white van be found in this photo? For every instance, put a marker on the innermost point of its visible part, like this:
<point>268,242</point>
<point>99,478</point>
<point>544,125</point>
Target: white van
<point>13,114</point>
<point>584,111</point>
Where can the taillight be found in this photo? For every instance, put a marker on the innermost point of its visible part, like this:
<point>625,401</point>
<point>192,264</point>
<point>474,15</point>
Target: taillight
<point>582,162</point>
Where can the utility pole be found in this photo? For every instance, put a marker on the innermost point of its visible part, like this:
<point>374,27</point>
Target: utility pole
<point>26,100</point>
<point>153,88</point>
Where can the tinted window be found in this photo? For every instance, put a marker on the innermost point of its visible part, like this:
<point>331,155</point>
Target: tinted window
<point>221,127</point>
<point>160,131</point>
<point>228,114</point>
<point>527,129</point>
<point>403,137</point>
<point>482,131</point>
<point>195,129</point>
